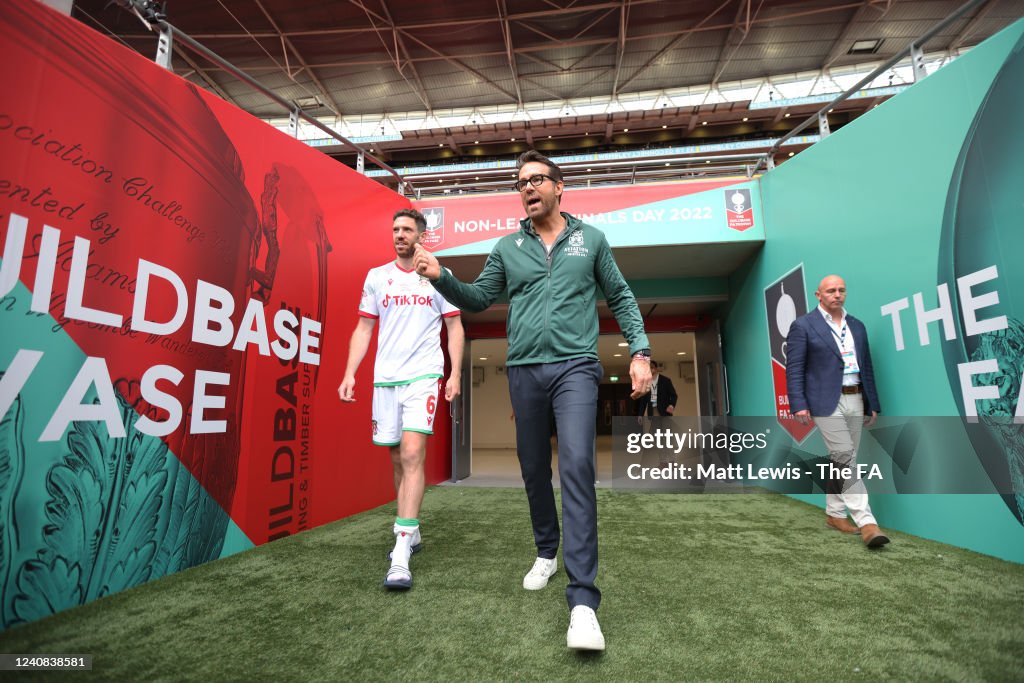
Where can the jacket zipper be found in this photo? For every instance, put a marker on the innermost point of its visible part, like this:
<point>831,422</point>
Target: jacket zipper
<point>547,288</point>
<point>550,255</point>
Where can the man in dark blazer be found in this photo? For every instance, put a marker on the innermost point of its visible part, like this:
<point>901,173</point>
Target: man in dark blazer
<point>663,394</point>
<point>831,380</point>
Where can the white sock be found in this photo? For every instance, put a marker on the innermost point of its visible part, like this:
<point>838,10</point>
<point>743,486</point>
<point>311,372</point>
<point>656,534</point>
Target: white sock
<point>403,544</point>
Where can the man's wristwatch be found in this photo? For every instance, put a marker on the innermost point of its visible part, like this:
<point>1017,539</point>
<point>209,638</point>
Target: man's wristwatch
<point>642,354</point>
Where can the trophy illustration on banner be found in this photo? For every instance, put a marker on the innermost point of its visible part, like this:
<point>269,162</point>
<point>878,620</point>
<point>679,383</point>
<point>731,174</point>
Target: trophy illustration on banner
<point>785,315</point>
<point>433,219</point>
<point>98,513</point>
<point>981,234</point>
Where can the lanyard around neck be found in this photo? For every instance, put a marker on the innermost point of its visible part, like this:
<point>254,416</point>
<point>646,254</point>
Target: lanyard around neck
<point>841,337</point>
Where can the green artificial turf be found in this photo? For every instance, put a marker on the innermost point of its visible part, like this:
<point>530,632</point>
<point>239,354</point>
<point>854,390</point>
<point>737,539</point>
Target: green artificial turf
<point>696,587</point>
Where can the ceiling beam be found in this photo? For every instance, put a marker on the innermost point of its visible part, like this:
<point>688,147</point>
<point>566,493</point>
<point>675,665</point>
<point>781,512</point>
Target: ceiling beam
<point>554,39</point>
<point>737,34</point>
<point>555,73</point>
<point>590,55</point>
<point>506,32</point>
<point>542,34</point>
<point>550,93</point>
<point>461,65</point>
<point>573,8</point>
<point>437,57</point>
<point>418,87</point>
<point>675,41</point>
<point>512,17</point>
<point>623,26</point>
<point>542,61</point>
<point>971,26</point>
<point>594,23</point>
<point>328,100</point>
<point>601,73</point>
<point>573,68</point>
<point>448,58</point>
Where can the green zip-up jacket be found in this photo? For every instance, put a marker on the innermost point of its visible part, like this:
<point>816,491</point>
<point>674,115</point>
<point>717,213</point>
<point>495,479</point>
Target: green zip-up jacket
<point>553,312</point>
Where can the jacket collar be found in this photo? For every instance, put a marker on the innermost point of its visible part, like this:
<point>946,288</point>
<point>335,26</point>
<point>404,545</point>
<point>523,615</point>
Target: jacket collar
<point>828,316</point>
<point>823,330</point>
<point>571,223</point>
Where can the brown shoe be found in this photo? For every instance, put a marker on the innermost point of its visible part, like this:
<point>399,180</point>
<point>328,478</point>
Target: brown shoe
<point>873,536</point>
<point>840,524</point>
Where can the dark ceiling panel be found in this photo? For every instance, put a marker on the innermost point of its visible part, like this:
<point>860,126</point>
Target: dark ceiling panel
<point>378,56</point>
<point>667,44</point>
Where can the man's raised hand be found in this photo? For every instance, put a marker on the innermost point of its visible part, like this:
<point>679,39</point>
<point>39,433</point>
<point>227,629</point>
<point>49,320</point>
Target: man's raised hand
<point>426,264</point>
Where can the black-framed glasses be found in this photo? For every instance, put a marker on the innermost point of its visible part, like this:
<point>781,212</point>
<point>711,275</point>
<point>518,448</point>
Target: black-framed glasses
<point>536,180</point>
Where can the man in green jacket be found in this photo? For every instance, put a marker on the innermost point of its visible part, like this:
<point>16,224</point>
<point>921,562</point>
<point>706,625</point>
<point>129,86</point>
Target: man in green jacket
<point>552,268</point>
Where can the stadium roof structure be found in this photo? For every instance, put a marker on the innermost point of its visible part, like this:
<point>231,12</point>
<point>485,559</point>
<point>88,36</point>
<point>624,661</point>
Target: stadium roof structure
<point>423,83</point>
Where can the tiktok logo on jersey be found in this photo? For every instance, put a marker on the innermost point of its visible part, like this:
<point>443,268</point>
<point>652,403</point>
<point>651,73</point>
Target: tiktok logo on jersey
<point>407,300</point>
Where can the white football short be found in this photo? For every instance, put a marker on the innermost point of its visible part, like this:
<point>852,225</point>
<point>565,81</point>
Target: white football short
<point>404,408</point>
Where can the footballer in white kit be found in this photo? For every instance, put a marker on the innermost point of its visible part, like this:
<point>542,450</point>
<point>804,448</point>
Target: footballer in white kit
<point>409,360</point>
<point>407,375</point>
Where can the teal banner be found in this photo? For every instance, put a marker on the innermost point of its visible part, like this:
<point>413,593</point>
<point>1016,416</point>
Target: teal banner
<point>917,205</point>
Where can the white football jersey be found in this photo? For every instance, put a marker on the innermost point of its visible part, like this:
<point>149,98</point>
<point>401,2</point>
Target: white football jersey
<point>409,335</point>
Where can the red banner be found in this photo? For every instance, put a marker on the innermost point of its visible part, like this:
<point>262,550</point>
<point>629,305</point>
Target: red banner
<point>203,265</point>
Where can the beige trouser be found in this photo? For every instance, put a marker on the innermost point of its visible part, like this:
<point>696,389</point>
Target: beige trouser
<point>841,432</point>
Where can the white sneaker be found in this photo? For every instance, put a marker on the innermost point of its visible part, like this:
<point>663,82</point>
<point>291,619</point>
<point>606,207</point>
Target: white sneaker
<point>543,569</point>
<point>584,631</point>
